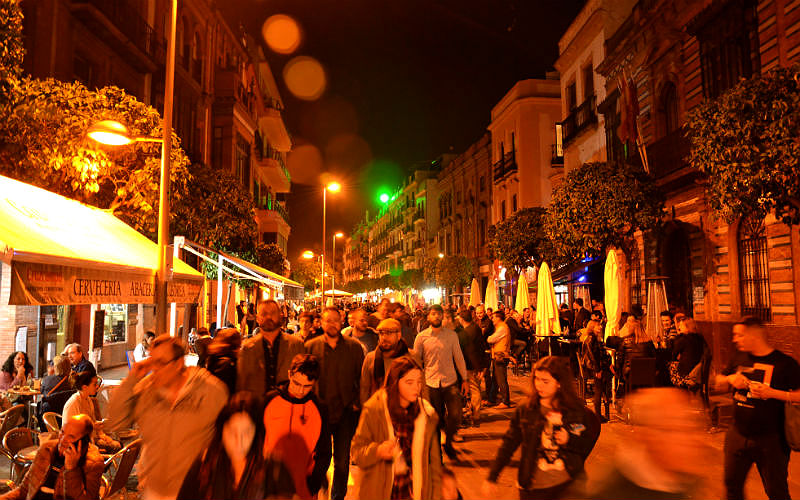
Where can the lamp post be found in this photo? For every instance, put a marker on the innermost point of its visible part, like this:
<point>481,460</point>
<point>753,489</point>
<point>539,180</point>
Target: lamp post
<point>115,134</point>
<point>333,187</point>
<point>333,262</point>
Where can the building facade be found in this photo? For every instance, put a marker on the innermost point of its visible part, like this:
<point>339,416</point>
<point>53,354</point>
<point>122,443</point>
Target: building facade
<point>465,203</point>
<point>523,142</point>
<point>227,113</point>
<point>678,54</point>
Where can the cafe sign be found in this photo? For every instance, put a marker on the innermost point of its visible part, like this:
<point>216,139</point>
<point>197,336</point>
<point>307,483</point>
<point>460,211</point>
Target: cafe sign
<point>42,284</point>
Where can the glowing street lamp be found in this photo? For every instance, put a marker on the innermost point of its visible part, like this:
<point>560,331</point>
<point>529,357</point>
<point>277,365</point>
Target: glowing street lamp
<point>384,197</point>
<point>333,279</point>
<point>333,187</point>
<point>441,255</point>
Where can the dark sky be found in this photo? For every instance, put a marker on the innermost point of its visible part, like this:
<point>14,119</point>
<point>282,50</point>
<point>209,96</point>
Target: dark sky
<point>408,80</point>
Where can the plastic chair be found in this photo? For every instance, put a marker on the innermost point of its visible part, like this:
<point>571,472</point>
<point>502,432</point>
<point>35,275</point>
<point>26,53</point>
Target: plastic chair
<point>52,421</point>
<point>123,461</point>
<point>14,441</point>
<point>129,359</point>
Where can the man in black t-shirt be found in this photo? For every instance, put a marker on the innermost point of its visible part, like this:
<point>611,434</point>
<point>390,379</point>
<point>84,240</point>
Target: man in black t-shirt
<point>763,379</point>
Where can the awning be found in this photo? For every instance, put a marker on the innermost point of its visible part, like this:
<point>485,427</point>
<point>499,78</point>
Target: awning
<point>64,252</point>
<point>563,273</point>
<point>333,293</point>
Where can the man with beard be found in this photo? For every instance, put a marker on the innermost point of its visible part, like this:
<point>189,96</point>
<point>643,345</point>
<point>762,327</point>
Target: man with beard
<point>381,314</point>
<point>265,358</point>
<point>361,332</point>
<point>377,362</point>
<point>443,363</point>
<point>338,387</point>
<point>473,346</point>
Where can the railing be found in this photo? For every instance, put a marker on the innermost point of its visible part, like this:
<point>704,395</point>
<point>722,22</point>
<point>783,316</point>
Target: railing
<point>267,152</point>
<point>505,166</point>
<point>126,17</point>
<point>557,156</point>
<point>272,103</point>
<point>419,215</point>
<point>580,118</point>
<point>668,154</point>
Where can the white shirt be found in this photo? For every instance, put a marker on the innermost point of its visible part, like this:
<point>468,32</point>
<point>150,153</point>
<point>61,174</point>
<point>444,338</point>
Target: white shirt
<point>140,353</point>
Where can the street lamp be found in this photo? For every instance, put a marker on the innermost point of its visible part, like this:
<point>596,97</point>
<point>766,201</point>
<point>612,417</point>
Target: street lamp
<point>115,134</point>
<point>333,187</point>
<point>333,261</point>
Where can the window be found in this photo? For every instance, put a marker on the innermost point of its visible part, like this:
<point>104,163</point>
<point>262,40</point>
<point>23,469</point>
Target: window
<point>753,269</point>
<point>513,204</point>
<point>572,99</point>
<point>197,58</point>
<point>636,280</point>
<point>83,71</point>
<point>588,81</point>
<point>503,210</point>
<point>458,197</point>
<point>669,108</point>
<point>482,232</point>
<point>115,325</point>
<point>729,50</point>
<point>483,183</point>
<point>216,148</point>
<point>243,160</point>
<point>458,242</point>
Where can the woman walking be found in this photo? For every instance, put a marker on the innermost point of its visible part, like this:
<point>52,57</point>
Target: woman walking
<point>396,443</point>
<point>556,432</point>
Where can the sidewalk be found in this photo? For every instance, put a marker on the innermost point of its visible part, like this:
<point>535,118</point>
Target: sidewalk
<point>480,446</point>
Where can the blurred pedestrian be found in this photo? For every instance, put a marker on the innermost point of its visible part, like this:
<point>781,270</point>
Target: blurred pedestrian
<point>360,331</point>
<point>555,431</point>
<point>223,354</point>
<point>250,320</point>
<point>201,344</point>
<point>174,407</point>
<point>763,379</point>
<point>396,444</point>
<point>663,456</point>
<point>232,467</point>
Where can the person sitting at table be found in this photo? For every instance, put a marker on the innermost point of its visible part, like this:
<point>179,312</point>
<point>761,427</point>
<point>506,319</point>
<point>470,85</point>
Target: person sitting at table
<point>635,342</point>
<point>687,353</point>
<point>15,371</point>
<point>78,360</point>
<point>56,389</point>
<point>70,465</point>
<point>142,350</point>
<point>81,403</point>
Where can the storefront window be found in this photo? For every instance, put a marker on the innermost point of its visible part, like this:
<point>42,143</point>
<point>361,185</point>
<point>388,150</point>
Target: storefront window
<point>116,322</point>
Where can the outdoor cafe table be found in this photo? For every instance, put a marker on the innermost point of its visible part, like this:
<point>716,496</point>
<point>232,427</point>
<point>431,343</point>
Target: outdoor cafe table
<point>30,396</point>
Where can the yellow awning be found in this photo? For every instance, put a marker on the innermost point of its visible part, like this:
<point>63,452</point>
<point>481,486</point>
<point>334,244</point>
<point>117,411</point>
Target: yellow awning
<point>64,252</point>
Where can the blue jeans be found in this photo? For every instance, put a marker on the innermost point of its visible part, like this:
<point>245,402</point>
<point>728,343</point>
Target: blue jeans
<point>342,433</point>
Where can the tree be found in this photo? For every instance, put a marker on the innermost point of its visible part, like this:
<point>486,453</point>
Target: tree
<point>746,142</point>
<point>600,205</point>
<point>453,271</point>
<point>270,257</point>
<point>521,240</point>
<point>217,212</point>
<point>306,272</point>
<point>12,51</point>
<point>43,142</point>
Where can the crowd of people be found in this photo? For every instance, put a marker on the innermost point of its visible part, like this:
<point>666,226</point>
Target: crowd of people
<point>265,414</point>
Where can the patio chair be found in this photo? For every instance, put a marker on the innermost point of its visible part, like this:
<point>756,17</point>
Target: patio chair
<point>121,463</point>
<point>52,421</point>
<point>14,441</point>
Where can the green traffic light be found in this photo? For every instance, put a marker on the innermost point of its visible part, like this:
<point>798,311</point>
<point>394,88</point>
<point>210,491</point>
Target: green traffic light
<point>384,198</point>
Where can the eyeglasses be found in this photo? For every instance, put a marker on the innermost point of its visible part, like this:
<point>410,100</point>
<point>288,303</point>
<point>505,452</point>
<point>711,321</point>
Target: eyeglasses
<point>388,332</point>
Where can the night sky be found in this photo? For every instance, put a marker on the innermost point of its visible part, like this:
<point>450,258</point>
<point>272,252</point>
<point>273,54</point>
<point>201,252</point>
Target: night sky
<point>407,80</point>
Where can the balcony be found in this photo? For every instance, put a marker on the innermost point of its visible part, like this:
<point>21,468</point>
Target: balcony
<point>667,160</point>
<point>557,156</point>
<point>228,88</point>
<point>273,167</point>
<point>271,216</point>
<point>121,26</point>
<point>579,119</point>
<point>506,166</point>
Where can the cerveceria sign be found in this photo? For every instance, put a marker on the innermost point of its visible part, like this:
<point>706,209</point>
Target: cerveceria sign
<point>33,283</point>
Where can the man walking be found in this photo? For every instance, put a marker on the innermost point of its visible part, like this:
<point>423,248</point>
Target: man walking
<point>443,363</point>
<point>175,407</point>
<point>264,358</point>
<point>338,387</point>
<point>361,332</point>
<point>763,379</point>
<point>473,347</point>
<point>377,362</point>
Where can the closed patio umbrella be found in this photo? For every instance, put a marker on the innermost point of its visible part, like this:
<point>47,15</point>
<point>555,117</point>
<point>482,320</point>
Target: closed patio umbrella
<point>522,294</point>
<point>474,293</point>
<point>612,300</point>
<point>491,296</point>
<point>547,318</point>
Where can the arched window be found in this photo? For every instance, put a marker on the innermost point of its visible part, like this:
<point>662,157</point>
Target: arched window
<point>197,58</point>
<point>179,30</point>
<point>753,269</point>
<point>669,108</point>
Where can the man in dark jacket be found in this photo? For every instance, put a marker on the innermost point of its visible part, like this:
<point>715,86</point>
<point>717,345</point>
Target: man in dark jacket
<point>341,359</point>
<point>474,346</point>
<point>580,316</point>
<point>265,357</point>
<point>377,362</point>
